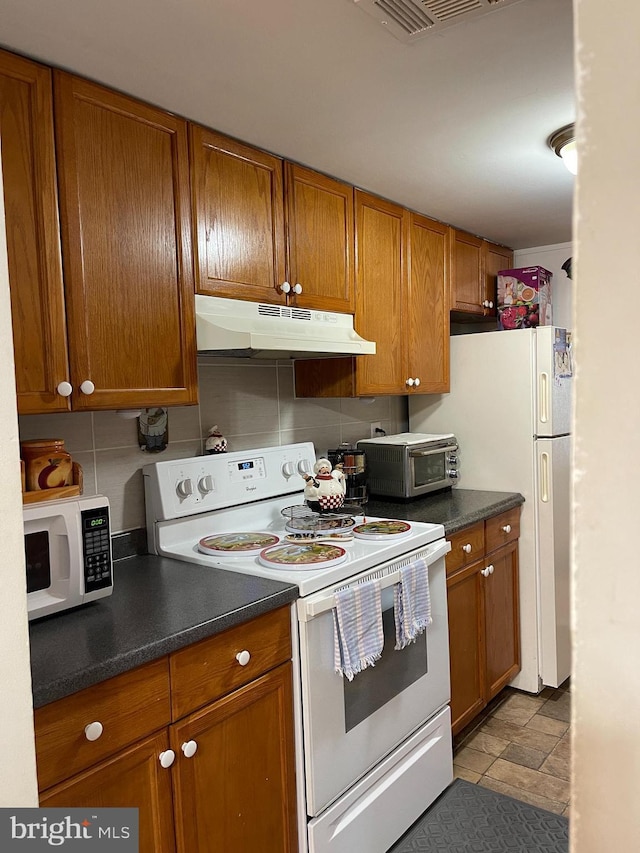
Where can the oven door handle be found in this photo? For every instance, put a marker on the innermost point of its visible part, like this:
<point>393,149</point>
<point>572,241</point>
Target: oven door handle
<point>314,605</point>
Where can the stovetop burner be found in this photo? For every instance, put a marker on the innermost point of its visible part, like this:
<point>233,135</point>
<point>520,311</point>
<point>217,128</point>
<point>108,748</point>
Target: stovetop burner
<point>234,544</point>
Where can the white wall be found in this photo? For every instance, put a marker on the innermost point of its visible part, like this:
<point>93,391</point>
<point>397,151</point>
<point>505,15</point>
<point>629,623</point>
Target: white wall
<point>606,682</point>
<point>551,258</point>
<point>18,785</point>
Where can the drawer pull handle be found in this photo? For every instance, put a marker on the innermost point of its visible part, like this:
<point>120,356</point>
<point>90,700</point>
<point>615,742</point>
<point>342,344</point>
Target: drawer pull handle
<point>167,758</point>
<point>93,731</point>
<point>507,528</point>
<point>189,748</point>
<point>243,657</point>
<point>466,548</point>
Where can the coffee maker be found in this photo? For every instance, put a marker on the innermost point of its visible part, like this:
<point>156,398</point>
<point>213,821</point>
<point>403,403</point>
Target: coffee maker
<point>354,468</point>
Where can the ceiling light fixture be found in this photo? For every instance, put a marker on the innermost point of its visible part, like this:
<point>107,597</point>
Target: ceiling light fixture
<point>563,142</point>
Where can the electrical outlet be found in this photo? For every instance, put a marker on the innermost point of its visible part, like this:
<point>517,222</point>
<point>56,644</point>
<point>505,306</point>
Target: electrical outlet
<point>377,425</point>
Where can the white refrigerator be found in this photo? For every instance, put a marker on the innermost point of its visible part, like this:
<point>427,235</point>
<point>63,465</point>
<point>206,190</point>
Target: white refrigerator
<point>510,407</point>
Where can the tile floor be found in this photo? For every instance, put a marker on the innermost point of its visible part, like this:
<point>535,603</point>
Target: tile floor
<point>520,746</point>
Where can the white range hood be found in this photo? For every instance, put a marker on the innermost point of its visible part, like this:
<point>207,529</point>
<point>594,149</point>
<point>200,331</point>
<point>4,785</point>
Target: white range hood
<point>231,327</point>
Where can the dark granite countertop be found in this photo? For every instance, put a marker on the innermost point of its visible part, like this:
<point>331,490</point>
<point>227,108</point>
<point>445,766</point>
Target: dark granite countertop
<point>454,508</point>
<point>158,605</point>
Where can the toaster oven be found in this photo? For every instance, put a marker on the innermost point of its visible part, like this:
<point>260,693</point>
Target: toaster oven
<point>410,464</point>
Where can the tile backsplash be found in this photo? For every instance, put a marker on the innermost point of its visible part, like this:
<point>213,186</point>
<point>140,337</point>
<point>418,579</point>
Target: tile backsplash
<point>252,403</point>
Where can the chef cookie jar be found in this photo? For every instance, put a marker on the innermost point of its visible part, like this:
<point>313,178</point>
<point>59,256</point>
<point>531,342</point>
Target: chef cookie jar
<point>325,488</point>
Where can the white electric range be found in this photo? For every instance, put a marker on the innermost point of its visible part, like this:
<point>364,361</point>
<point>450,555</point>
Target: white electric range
<point>392,722</point>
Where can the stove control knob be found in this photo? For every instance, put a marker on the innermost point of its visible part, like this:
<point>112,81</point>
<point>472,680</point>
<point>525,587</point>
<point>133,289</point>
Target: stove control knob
<point>205,484</point>
<point>288,470</point>
<point>453,475</point>
<point>185,488</point>
<point>304,466</point>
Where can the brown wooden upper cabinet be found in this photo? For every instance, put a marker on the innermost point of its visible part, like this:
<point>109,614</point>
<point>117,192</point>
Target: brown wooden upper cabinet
<point>33,235</point>
<point>474,265</point>
<point>238,214</point>
<point>269,231</point>
<point>496,258</point>
<point>126,239</point>
<point>320,240</point>
<point>401,304</point>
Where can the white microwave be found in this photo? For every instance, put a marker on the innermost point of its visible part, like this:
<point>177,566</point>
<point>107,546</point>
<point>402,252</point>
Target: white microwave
<point>410,464</point>
<point>67,546</point>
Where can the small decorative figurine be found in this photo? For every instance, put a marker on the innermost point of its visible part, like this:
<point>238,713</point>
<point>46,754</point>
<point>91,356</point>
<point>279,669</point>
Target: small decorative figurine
<point>325,489</point>
<point>153,430</point>
<point>215,441</point>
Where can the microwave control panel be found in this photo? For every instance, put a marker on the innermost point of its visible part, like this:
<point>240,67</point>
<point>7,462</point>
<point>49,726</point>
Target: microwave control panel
<point>96,546</point>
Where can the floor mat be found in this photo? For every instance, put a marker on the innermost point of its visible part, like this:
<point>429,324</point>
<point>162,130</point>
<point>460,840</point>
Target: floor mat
<point>467,818</point>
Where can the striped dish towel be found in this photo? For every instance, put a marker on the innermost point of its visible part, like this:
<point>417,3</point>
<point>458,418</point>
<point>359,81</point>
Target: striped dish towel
<point>412,603</point>
<point>357,628</point>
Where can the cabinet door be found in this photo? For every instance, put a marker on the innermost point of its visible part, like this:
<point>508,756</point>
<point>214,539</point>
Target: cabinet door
<point>466,644</point>
<point>126,237</point>
<point>496,258</point>
<point>427,311</point>
<point>238,213</point>
<point>382,233</point>
<point>134,778</point>
<point>320,239</point>
<point>237,792</point>
<point>502,619</point>
<point>467,278</point>
<point>33,235</point>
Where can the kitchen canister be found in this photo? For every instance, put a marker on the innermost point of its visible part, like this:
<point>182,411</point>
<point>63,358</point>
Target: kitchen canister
<point>47,464</point>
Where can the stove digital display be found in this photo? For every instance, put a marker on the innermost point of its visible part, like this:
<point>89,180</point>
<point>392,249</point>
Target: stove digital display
<point>247,470</point>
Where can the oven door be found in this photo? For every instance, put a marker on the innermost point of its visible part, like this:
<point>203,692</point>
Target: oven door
<point>350,726</point>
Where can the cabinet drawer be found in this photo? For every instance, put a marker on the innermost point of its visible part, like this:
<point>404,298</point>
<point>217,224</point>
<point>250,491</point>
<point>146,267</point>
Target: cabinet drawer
<point>467,545</point>
<point>502,528</point>
<point>128,707</point>
<point>208,670</point>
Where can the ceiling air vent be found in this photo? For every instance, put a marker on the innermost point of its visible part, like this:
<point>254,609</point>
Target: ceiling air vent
<point>410,20</point>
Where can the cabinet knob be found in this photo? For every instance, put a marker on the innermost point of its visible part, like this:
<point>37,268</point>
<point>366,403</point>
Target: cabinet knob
<point>93,731</point>
<point>507,528</point>
<point>243,657</point>
<point>490,304</point>
<point>64,389</point>
<point>409,382</point>
<point>417,381</point>
<point>297,288</point>
<point>485,303</point>
<point>87,387</point>
<point>467,548</point>
<point>189,748</point>
<point>167,758</point>
<point>285,287</point>
<point>487,571</point>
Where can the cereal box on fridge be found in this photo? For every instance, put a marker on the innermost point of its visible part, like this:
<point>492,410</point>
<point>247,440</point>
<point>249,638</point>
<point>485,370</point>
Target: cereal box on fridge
<point>524,298</point>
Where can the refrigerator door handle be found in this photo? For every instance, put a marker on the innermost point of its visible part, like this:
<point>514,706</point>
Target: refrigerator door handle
<point>544,477</point>
<point>543,406</point>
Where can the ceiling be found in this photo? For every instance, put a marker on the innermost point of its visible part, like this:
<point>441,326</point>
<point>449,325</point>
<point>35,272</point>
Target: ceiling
<point>454,125</point>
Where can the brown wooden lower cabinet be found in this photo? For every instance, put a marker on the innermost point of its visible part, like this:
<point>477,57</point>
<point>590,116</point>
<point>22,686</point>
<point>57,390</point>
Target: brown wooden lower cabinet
<point>484,624</point>
<point>238,792</point>
<point>218,777</point>
<point>132,778</point>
